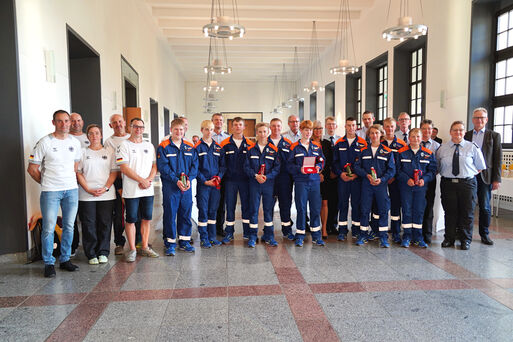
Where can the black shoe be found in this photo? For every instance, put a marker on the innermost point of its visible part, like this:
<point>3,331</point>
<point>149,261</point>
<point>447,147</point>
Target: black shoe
<point>427,239</point>
<point>447,243</point>
<point>486,240</point>
<point>68,266</point>
<point>465,245</point>
<point>49,271</point>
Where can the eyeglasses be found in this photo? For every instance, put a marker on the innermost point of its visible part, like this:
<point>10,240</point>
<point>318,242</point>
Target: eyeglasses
<point>404,119</point>
<point>317,128</point>
<point>137,127</point>
<point>294,121</point>
<point>480,117</point>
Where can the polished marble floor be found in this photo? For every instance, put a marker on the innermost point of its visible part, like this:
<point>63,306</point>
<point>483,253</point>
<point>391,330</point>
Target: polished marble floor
<point>337,293</point>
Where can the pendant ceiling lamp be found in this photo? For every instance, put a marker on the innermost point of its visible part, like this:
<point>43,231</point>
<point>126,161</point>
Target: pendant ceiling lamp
<point>276,89</point>
<point>405,28</point>
<point>284,96</point>
<point>293,86</point>
<point>222,25</point>
<point>344,42</point>
<point>217,61</point>
<point>314,70</point>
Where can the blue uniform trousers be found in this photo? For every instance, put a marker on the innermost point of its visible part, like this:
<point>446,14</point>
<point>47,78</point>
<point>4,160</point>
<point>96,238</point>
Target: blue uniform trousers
<point>348,190</point>
<point>413,201</point>
<point>177,205</point>
<point>232,188</point>
<point>378,194</point>
<point>395,208</point>
<point>308,192</point>
<point>283,191</point>
<point>259,191</point>
<point>207,200</point>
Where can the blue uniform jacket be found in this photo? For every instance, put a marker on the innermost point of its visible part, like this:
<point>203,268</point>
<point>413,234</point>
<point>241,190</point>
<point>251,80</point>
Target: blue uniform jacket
<point>295,162</point>
<point>235,158</point>
<point>210,161</point>
<point>269,157</point>
<point>172,161</point>
<point>283,152</point>
<point>383,163</point>
<point>343,153</point>
<point>423,160</point>
<point>395,146</point>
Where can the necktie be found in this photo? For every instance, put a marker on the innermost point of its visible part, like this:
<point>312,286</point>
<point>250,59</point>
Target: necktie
<point>456,160</point>
<point>405,136</point>
<point>424,143</point>
<point>332,141</point>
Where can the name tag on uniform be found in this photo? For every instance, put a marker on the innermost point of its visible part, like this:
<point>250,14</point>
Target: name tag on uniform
<point>366,157</point>
<point>284,149</point>
<point>215,154</point>
<point>393,150</point>
<point>269,157</point>
<point>382,158</point>
<point>357,150</point>
<point>188,154</point>
<point>424,161</point>
<point>244,151</point>
<point>300,155</point>
<point>315,154</point>
<point>254,157</point>
<point>342,148</point>
<point>171,155</point>
<point>230,152</point>
<point>406,160</point>
<point>202,153</point>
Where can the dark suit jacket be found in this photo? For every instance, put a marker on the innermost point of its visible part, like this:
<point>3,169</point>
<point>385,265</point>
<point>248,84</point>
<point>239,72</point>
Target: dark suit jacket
<point>438,140</point>
<point>492,152</point>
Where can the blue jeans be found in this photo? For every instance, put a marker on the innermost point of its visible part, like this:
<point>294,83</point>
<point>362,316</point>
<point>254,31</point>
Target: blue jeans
<point>484,194</point>
<point>50,201</point>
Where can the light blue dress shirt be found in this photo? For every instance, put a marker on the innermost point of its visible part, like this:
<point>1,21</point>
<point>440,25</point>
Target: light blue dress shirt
<point>220,137</point>
<point>471,159</point>
<point>478,136</point>
<point>291,136</point>
<point>362,133</point>
<point>431,145</point>
<point>400,135</point>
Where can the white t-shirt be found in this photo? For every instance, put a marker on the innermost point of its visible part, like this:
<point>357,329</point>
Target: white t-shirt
<point>374,149</point>
<point>415,150</point>
<point>96,167</point>
<point>261,147</point>
<point>389,142</point>
<point>237,142</point>
<point>350,141</point>
<point>57,158</point>
<point>114,141</point>
<point>84,142</point>
<point>140,158</point>
<point>305,146</point>
<point>275,141</point>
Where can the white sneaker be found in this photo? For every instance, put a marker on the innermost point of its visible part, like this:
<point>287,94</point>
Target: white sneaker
<point>130,256</point>
<point>149,252</point>
<point>102,259</point>
<point>93,261</point>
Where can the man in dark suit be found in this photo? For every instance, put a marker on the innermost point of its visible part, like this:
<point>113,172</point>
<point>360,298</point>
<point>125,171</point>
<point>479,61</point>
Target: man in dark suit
<point>434,136</point>
<point>489,179</point>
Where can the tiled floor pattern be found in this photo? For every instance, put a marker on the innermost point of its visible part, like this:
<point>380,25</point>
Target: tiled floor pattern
<point>338,293</point>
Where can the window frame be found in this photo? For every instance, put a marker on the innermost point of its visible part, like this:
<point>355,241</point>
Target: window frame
<point>382,111</point>
<point>420,115</point>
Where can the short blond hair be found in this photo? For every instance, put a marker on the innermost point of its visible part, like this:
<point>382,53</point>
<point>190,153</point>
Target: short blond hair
<point>207,124</point>
<point>415,131</point>
<point>377,127</point>
<point>262,124</point>
<point>389,120</point>
<point>177,122</point>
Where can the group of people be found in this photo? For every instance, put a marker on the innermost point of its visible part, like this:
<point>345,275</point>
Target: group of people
<point>376,169</point>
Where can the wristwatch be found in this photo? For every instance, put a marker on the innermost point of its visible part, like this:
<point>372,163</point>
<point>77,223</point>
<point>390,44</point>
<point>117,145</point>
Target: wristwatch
<point>106,189</point>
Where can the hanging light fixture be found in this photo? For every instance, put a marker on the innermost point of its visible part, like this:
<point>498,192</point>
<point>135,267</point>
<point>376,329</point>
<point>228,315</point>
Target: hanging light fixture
<point>315,64</point>
<point>344,39</point>
<point>222,25</point>
<point>283,93</point>
<point>295,69</point>
<point>217,64</point>
<point>405,28</point>
<point>276,90</point>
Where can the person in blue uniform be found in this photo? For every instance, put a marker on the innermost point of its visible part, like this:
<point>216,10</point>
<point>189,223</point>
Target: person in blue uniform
<point>416,168</point>
<point>395,144</point>
<point>459,161</point>
<point>308,191</point>
<point>283,183</point>
<point>262,166</point>
<point>236,148</point>
<point>176,157</point>
<point>345,152</point>
<point>375,159</point>
<point>210,172</point>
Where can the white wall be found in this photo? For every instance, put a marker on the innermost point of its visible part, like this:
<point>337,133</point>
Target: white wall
<point>236,97</point>
<point>113,28</point>
<point>448,49</point>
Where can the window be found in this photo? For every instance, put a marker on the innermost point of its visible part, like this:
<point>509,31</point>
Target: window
<point>359,100</point>
<point>382,92</point>
<point>502,116</point>
<point>416,77</point>
<point>329,100</point>
<point>313,106</point>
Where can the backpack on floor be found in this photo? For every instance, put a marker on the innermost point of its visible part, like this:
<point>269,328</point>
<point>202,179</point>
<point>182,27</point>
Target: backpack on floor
<point>36,230</point>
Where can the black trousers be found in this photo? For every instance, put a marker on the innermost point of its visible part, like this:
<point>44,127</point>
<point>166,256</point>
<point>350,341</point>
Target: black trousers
<point>96,219</point>
<point>427,222</point>
<point>220,210</point>
<point>117,215</point>
<point>332,192</point>
<point>459,202</point>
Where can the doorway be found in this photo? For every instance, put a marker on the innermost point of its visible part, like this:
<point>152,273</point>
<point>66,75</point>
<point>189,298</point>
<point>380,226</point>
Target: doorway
<point>166,121</point>
<point>84,79</point>
<point>154,121</point>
